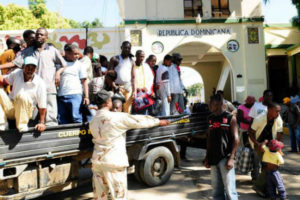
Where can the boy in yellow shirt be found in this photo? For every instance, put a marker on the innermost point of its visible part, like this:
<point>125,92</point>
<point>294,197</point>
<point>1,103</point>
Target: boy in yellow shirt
<point>273,158</point>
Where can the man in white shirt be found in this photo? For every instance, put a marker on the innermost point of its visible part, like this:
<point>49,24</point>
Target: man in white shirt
<point>176,84</point>
<point>49,58</point>
<point>29,91</point>
<point>72,86</point>
<point>126,75</point>
<point>87,62</point>
<point>266,126</point>
<point>144,82</point>
<point>163,84</point>
<point>261,107</point>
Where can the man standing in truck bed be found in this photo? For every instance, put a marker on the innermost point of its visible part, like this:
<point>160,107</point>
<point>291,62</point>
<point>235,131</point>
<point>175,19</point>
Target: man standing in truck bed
<point>48,58</point>
<point>28,93</point>
<point>109,158</point>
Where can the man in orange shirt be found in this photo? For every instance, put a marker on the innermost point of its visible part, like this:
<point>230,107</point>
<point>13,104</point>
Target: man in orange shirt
<point>13,46</point>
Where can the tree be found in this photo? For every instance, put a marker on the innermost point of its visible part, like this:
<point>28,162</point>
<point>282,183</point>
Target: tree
<point>195,89</point>
<point>296,19</point>
<point>37,7</point>
<point>94,24</point>
<point>14,17</point>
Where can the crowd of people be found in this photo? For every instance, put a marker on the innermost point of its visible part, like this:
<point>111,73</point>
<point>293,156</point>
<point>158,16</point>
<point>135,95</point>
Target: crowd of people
<point>72,80</point>
<point>259,126</point>
<point>46,87</point>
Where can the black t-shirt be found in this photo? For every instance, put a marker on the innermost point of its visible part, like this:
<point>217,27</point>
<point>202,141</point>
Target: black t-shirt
<point>220,137</point>
<point>266,134</point>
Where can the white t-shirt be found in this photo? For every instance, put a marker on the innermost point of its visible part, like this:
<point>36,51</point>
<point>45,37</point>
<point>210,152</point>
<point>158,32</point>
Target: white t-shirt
<point>257,109</point>
<point>124,71</point>
<point>87,64</point>
<point>36,89</point>
<point>96,85</point>
<point>70,82</point>
<point>162,79</point>
<point>176,85</point>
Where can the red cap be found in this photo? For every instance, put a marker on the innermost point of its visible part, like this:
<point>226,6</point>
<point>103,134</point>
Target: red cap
<point>275,145</point>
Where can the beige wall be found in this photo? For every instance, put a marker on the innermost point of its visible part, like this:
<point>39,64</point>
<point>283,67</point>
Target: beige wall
<point>174,9</point>
<point>154,9</point>
<point>281,35</point>
<point>251,8</point>
<point>254,64</point>
<point>227,90</point>
<point>235,8</point>
<point>210,73</point>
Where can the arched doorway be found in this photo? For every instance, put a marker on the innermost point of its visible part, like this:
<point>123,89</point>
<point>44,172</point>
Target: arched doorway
<point>211,64</point>
<point>193,82</point>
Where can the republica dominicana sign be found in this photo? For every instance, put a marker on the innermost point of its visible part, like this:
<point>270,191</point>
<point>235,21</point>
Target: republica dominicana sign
<point>194,32</point>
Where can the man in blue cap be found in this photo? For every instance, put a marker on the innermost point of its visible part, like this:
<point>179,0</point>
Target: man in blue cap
<point>29,92</point>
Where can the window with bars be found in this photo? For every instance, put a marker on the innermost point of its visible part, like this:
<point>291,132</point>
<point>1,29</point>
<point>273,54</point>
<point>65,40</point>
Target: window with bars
<point>192,8</point>
<point>220,8</point>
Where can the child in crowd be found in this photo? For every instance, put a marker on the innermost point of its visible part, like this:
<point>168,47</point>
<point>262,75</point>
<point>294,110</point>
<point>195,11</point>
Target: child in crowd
<point>117,101</point>
<point>98,83</point>
<point>73,80</point>
<point>273,158</point>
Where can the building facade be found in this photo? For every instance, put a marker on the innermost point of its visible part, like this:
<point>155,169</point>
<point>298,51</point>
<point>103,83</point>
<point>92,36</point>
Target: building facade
<point>223,40</point>
<point>282,42</point>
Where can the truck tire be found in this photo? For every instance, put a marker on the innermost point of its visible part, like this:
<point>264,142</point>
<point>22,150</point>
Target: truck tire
<point>157,167</point>
<point>137,174</point>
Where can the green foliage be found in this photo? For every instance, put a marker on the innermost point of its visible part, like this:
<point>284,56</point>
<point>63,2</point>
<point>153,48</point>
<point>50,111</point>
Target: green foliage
<point>14,17</point>
<point>195,89</point>
<point>296,19</point>
<point>37,7</point>
<point>94,24</point>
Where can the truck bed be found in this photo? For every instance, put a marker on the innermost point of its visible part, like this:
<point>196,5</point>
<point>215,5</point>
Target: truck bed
<point>18,147</point>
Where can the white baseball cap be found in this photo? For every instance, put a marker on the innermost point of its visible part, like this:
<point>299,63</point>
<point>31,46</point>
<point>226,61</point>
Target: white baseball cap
<point>30,61</point>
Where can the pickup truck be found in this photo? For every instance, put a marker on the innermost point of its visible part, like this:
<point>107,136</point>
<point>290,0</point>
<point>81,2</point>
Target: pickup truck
<point>34,164</point>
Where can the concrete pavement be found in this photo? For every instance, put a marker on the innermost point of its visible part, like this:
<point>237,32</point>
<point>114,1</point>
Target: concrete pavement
<point>192,181</point>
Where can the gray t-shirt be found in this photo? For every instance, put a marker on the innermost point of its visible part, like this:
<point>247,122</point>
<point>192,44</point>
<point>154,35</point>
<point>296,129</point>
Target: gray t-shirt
<point>48,59</point>
<point>293,113</point>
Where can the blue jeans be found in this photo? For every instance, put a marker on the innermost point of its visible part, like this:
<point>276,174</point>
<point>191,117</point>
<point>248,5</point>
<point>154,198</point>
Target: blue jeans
<point>256,165</point>
<point>69,109</point>
<point>294,137</point>
<point>176,98</point>
<point>274,181</point>
<point>165,105</point>
<point>223,182</point>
